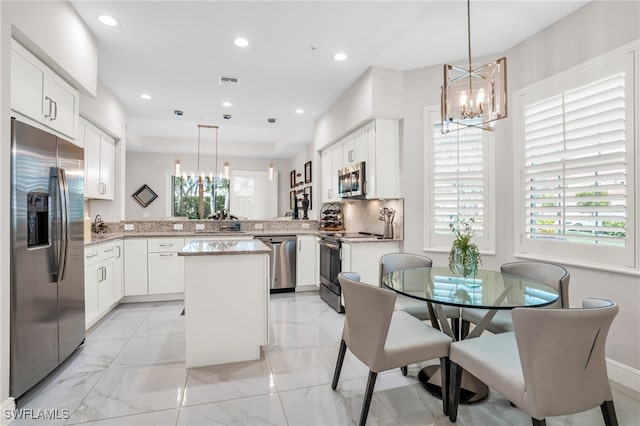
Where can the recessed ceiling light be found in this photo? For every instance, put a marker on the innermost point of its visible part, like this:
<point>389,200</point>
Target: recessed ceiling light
<point>299,111</point>
<point>340,56</point>
<point>241,42</point>
<point>108,20</point>
<point>145,97</point>
<point>226,104</point>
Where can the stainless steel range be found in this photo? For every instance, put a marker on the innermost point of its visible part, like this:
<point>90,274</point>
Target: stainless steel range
<point>331,265</point>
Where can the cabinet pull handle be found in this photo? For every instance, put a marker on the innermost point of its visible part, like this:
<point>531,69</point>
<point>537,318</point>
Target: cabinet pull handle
<point>166,254</point>
<point>91,256</point>
<point>104,273</point>
<point>109,250</point>
<point>119,252</point>
<point>103,188</point>
<point>55,110</point>
<point>165,245</point>
<point>48,99</point>
<point>299,245</point>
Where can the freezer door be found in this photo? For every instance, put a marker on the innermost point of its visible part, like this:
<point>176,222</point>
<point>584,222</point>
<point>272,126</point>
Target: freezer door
<point>34,248</point>
<point>71,324</point>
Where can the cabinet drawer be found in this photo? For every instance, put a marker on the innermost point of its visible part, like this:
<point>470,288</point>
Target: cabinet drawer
<point>97,253</point>
<point>162,245</point>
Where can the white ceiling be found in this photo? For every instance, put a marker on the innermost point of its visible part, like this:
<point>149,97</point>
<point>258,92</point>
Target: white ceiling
<point>175,51</point>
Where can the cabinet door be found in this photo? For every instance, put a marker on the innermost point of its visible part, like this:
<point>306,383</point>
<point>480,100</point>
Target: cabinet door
<point>166,273</point>
<point>27,83</point>
<point>135,267</point>
<point>61,105</point>
<point>91,161</point>
<point>107,166</point>
<point>306,261</point>
<point>106,290</point>
<point>92,274</point>
<point>354,147</point>
<point>336,163</point>
<point>328,175</point>
<point>118,279</point>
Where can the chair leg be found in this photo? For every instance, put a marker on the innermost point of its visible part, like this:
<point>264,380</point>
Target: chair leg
<point>537,422</point>
<point>336,374</point>
<point>464,329</point>
<point>404,370</point>
<point>445,367</point>
<point>455,377</point>
<point>455,326</point>
<point>368,394</point>
<point>609,413</point>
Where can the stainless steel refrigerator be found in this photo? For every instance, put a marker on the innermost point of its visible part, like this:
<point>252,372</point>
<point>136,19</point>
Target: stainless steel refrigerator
<point>47,253</point>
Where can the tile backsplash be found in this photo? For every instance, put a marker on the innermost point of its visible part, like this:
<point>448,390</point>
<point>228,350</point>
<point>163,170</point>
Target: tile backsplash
<point>362,215</point>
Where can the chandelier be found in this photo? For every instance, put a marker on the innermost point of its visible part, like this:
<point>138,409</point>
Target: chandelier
<point>475,95</point>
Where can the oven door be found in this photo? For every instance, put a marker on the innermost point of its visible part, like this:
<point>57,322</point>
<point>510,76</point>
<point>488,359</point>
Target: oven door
<point>330,265</point>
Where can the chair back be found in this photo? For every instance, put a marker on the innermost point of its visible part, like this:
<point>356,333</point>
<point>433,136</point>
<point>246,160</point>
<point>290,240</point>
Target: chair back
<point>368,311</point>
<point>395,261</point>
<point>562,352</point>
<point>553,275</point>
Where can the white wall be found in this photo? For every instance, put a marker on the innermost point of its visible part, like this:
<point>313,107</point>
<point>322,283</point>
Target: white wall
<point>108,113</point>
<point>592,30</point>
<point>297,163</point>
<point>154,170</point>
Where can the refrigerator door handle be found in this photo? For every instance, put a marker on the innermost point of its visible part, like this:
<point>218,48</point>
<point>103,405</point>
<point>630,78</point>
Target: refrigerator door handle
<point>63,192</point>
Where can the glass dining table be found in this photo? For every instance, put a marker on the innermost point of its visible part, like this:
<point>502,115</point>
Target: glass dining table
<point>489,290</point>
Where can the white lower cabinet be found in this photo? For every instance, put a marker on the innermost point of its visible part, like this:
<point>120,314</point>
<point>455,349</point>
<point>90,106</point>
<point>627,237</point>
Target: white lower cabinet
<point>135,267</point>
<point>307,261</point>
<point>101,278</point>
<point>364,258</point>
<point>165,267</point>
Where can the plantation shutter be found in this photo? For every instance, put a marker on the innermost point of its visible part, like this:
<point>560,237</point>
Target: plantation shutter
<point>575,164</point>
<point>458,179</point>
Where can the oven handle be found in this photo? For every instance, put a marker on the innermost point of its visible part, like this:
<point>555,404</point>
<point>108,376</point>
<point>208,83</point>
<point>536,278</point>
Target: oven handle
<point>329,245</point>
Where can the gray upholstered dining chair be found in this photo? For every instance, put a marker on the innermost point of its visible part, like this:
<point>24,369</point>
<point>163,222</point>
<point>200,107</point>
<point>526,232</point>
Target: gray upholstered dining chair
<point>384,339</point>
<point>553,363</point>
<point>553,275</point>
<point>396,261</point>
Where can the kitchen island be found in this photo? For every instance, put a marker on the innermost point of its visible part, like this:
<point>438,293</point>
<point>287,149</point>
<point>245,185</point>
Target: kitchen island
<point>226,301</point>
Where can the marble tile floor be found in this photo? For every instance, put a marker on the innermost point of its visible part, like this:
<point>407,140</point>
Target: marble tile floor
<point>130,371</point>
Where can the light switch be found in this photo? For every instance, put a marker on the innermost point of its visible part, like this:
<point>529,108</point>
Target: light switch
<point>177,227</point>
<point>128,226</point>
<point>199,226</point>
<point>258,226</point>
<point>305,226</point>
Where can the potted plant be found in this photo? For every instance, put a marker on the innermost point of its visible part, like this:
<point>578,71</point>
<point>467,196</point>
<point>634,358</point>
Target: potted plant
<point>464,256</point>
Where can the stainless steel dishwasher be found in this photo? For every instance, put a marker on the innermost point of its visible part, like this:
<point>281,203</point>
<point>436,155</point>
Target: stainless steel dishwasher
<point>282,261</point>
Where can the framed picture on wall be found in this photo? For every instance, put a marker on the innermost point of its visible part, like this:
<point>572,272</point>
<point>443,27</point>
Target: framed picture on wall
<point>307,191</point>
<point>292,179</point>
<point>307,172</point>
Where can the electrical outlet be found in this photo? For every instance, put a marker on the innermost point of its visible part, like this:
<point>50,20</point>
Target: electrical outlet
<point>199,226</point>
<point>306,226</point>
<point>258,226</point>
<point>177,227</point>
<point>128,226</point>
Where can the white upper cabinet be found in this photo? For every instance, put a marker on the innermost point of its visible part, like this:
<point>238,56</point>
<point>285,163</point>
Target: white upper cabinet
<point>377,144</point>
<point>99,161</point>
<point>332,160</point>
<point>40,94</point>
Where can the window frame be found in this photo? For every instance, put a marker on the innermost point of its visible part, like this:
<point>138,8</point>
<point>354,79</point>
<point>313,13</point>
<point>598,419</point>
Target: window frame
<point>439,242</point>
<point>592,256</point>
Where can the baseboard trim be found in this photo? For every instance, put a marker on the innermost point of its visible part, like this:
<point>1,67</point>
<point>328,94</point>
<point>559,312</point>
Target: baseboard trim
<point>153,298</point>
<point>7,411</point>
<point>624,375</point>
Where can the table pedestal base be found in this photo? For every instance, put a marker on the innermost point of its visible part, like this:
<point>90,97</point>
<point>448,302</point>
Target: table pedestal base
<point>472,389</point>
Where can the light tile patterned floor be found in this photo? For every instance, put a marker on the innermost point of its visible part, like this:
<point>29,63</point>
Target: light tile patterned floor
<point>131,372</point>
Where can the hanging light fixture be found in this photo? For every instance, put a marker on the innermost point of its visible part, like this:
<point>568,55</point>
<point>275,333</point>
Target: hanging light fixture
<point>270,171</point>
<point>475,95</point>
<point>177,167</point>
<point>226,170</point>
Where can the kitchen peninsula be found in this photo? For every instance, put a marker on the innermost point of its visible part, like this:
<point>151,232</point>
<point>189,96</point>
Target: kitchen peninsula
<point>226,301</point>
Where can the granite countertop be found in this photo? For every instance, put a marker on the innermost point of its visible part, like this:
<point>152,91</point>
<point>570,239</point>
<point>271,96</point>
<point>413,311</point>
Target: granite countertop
<point>113,236</point>
<point>230,247</point>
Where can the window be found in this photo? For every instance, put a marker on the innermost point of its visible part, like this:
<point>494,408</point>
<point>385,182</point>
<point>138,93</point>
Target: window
<point>577,164</point>
<point>459,183</point>
<point>185,196</point>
